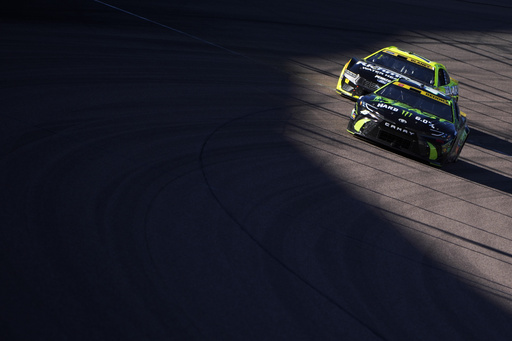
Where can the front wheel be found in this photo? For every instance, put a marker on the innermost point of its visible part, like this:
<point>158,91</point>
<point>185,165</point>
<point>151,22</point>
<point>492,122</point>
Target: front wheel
<point>456,157</point>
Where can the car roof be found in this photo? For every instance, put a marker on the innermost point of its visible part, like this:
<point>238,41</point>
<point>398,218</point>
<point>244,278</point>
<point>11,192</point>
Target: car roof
<point>416,58</point>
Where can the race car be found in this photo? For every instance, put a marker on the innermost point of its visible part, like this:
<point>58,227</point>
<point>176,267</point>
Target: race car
<point>360,77</point>
<point>407,116</point>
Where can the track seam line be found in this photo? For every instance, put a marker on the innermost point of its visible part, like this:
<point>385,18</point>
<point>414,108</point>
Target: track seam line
<point>233,52</point>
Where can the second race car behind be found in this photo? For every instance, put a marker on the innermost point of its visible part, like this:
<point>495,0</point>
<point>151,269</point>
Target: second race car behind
<point>360,77</point>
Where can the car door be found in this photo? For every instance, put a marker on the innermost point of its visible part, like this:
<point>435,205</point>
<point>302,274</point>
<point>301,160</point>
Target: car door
<point>462,132</point>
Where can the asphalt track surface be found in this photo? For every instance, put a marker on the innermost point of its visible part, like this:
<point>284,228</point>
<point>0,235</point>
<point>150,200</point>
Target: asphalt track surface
<point>183,172</point>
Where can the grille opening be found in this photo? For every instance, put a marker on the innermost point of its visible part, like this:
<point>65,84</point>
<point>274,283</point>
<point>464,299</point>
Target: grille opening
<point>347,87</point>
<point>394,140</point>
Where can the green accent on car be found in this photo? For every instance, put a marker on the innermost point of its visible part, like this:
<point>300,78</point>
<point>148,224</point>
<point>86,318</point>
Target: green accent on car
<point>359,124</point>
<point>433,151</point>
<point>398,104</point>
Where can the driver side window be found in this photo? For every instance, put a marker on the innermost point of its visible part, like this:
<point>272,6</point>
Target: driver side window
<point>443,77</point>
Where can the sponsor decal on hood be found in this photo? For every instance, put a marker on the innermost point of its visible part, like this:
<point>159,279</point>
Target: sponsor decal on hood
<point>381,75</point>
<point>407,116</point>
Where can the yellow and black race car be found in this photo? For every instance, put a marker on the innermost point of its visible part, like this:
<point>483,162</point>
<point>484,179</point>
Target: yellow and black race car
<point>360,77</point>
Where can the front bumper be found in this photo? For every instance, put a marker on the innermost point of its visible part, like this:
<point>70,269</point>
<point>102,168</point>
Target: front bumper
<point>405,141</point>
<point>353,85</point>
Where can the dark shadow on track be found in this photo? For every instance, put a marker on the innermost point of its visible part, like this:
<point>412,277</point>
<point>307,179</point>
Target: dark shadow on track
<point>490,142</point>
<point>478,174</point>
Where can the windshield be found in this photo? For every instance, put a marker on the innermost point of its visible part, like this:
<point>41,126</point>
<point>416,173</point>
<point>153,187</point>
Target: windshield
<point>403,66</point>
<point>413,98</point>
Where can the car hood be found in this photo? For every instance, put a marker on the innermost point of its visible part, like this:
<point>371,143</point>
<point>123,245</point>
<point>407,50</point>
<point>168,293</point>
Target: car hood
<point>375,73</point>
<point>406,117</point>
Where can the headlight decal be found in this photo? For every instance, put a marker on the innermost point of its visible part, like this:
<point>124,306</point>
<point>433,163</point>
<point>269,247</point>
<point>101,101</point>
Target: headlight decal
<point>438,133</point>
<point>352,77</point>
<point>369,110</point>
<point>370,107</point>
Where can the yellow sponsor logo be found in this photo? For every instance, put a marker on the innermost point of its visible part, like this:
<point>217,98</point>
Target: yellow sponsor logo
<point>424,93</point>
<point>420,63</point>
<point>413,60</point>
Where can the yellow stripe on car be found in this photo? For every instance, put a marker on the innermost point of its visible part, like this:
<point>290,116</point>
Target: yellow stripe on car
<point>424,93</point>
<point>433,151</point>
<point>413,59</point>
<point>359,124</point>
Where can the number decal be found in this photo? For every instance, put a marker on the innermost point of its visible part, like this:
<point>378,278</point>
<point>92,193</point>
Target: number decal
<point>451,90</point>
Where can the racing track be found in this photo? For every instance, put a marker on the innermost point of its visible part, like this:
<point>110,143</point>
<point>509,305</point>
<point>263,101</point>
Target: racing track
<point>176,172</point>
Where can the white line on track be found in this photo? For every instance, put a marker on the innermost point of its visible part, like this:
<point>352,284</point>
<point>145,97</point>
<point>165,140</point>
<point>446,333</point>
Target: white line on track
<point>172,29</point>
<point>202,40</point>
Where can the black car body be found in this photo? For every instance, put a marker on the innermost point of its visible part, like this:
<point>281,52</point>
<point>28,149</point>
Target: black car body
<point>414,119</point>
